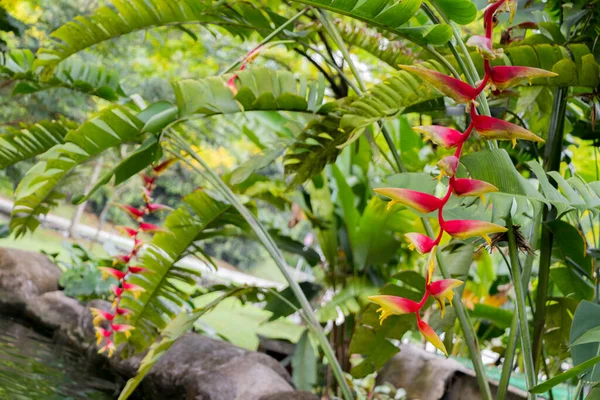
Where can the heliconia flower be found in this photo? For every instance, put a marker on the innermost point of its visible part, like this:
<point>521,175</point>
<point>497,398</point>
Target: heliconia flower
<point>123,258</point>
<point>101,333</point>
<point>484,46</point>
<point>135,213</point>
<point>147,195</point>
<point>122,311</point>
<point>162,167</point>
<point>448,166</point>
<point>504,77</point>
<point>133,288</point>
<point>148,180</point>
<point>394,305</point>
<point>422,243</point>
<point>146,227</point>
<point>472,187</point>
<point>431,336</point>
<point>136,269</point>
<point>108,347</point>
<point>430,265</point>
<point>466,228</point>
<point>118,291</point>
<point>443,290</point>
<point>115,273</point>
<point>121,328</point>
<point>494,128</point>
<point>101,315</point>
<point>128,231</point>
<point>456,89</point>
<point>440,135</point>
<point>231,84</point>
<point>152,207</point>
<point>137,243</point>
<point>422,202</point>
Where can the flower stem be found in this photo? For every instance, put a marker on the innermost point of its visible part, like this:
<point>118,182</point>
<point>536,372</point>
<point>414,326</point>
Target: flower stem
<point>269,244</point>
<point>520,291</point>
<point>514,326</point>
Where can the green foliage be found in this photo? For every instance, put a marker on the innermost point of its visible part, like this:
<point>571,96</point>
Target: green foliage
<point>586,322</point>
<point>18,65</point>
<point>304,364</point>
<point>130,16</point>
<point>81,278</point>
<point>38,190</point>
<point>29,141</point>
<point>258,89</point>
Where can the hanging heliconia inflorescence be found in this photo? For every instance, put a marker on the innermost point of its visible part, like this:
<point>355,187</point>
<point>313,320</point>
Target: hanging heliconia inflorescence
<point>107,322</point>
<point>500,78</point>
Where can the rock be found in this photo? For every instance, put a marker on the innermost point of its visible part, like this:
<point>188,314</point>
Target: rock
<point>54,310</point>
<point>425,375</point>
<point>295,395</point>
<point>23,276</point>
<point>198,367</point>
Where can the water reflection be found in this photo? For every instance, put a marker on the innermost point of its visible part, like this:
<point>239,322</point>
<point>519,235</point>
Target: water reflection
<point>33,367</point>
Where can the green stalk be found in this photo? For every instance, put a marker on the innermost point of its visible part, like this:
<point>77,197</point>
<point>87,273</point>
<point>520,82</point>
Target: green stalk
<point>520,291</point>
<point>514,325</point>
<point>551,163</point>
<point>266,39</point>
<point>269,244</point>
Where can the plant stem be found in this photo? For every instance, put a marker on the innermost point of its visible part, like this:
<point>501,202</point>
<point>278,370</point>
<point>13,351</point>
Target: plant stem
<point>266,39</point>
<point>520,291</point>
<point>514,326</point>
<point>551,163</point>
<point>277,256</point>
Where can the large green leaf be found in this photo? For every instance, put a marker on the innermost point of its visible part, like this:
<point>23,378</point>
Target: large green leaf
<point>38,189</point>
<point>304,364</point>
<point>128,16</point>
<point>20,144</point>
<point>71,74</point>
<point>389,15</point>
<point>257,89</point>
<point>162,299</point>
<point>586,319</point>
<point>459,11</point>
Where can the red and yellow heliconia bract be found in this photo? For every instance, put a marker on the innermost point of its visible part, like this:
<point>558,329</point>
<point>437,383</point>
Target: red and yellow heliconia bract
<point>440,135</point>
<point>493,128</point>
<point>108,272</point>
<point>484,46</point>
<point>101,315</point>
<point>431,336</point>
<point>448,166</point>
<point>422,202</point>
<point>504,77</point>
<point>394,305</point>
<point>136,290</point>
<point>422,243</point>
<point>456,89</point>
<point>443,290</point>
<point>472,187</point>
<point>467,228</point>
<point>122,328</point>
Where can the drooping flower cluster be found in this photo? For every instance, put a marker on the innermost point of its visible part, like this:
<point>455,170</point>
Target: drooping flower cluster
<point>124,265</point>
<point>489,128</point>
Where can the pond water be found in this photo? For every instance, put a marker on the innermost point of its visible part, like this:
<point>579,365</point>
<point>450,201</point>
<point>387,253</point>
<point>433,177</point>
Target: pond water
<point>33,367</point>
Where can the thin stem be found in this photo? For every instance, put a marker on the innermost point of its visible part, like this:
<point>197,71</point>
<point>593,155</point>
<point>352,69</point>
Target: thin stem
<point>520,291</point>
<point>514,326</point>
<point>266,39</point>
<point>269,244</point>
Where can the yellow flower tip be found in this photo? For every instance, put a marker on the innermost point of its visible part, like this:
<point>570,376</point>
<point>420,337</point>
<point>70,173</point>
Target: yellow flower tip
<point>98,338</point>
<point>487,239</point>
<point>514,142</point>
<point>390,204</point>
